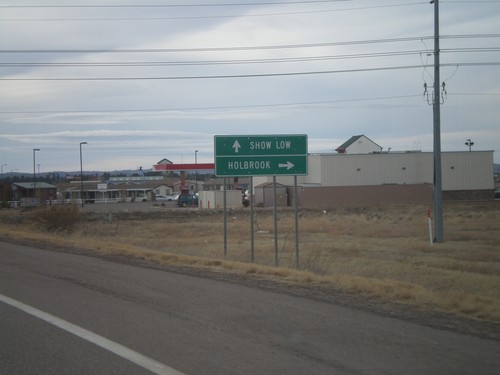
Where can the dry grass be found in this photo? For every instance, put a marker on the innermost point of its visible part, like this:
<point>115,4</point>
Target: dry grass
<point>380,251</point>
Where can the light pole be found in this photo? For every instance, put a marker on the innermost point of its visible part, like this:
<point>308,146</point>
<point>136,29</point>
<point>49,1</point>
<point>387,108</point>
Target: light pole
<point>81,172</point>
<point>34,171</point>
<point>196,171</point>
<point>470,144</point>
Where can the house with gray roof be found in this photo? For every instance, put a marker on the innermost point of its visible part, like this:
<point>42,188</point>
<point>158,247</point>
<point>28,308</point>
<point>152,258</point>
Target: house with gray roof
<point>32,193</point>
<point>359,144</point>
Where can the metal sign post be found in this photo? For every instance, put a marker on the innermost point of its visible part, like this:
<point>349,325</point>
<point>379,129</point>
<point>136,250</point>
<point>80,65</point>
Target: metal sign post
<point>261,155</point>
<point>225,217</point>
<point>275,210</point>
<point>252,214</point>
<point>295,208</point>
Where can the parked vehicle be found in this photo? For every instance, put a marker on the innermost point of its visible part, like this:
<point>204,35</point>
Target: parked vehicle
<point>497,193</point>
<point>168,198</point>
<point>186,200</point>
<point>246,198</point>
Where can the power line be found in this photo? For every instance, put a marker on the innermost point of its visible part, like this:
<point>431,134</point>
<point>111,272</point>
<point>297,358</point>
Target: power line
<point>473,94</point>
<point>221,49</point>
<point>471,49</point>
<point>172,78</point>
<point>159,18</point>
<point>243,61</point>
<point>212,76</point>
<point>217,107</point>
<point>177,5</point>
<point>200,5</point>
<point>250,106</point>
<point>469,2</point>
<point>216,62</point>
<point>465,64</point>
<point>249,48</point>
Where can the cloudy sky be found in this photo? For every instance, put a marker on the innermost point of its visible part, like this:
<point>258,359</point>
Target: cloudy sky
<point>140,81</point>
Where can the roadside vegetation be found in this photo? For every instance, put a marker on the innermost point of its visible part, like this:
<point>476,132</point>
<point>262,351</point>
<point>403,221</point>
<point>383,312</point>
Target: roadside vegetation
<point>383,252</point>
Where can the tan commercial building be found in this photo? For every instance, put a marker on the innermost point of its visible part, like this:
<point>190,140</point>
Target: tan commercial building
<point>391,176</point>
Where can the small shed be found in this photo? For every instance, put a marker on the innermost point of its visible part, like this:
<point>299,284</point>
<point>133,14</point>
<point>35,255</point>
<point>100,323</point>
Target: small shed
<point>215,199</point>
<point>264,195</point>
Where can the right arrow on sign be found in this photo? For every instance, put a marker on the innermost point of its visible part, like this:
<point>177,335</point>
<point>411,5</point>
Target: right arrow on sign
<point>288,165</point>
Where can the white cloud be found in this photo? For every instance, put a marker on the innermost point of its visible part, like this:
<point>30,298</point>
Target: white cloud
<point>183,115</point>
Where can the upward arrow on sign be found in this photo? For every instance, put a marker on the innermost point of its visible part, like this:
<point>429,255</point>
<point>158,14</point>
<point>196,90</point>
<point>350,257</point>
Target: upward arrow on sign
<point>236,146</point>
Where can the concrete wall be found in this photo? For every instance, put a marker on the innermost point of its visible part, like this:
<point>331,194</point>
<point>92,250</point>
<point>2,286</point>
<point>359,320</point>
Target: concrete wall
<point>469,195</point>
<point>335,196</point>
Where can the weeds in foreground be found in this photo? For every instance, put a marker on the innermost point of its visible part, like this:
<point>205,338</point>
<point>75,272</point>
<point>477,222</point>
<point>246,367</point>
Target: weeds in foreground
<point>57,218</point>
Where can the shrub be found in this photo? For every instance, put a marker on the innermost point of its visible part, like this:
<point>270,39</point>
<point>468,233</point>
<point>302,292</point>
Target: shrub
<point>58,218</point>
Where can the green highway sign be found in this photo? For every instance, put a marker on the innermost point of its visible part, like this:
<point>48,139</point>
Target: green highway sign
<point>260,155</point>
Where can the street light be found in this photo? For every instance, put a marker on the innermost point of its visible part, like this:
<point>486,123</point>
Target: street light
<point>34,171</point>
<point>470,144</point>
<point>81,172</point>
<point>196,171</point>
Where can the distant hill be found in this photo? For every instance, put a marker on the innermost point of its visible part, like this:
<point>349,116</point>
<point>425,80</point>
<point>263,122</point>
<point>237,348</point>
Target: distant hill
<point>129,172</point>
<point>63,174</point>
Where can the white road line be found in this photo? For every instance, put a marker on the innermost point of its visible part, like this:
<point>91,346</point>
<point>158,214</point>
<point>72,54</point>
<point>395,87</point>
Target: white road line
<point>120,350</point>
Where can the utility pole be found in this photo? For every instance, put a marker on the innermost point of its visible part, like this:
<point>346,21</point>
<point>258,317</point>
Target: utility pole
<point>81,173</point>
<point>34,172</point>
<point>196,173</point>
<point>438,186</point>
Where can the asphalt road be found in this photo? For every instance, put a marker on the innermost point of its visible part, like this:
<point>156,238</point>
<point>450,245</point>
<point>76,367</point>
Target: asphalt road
<point>201,326</point>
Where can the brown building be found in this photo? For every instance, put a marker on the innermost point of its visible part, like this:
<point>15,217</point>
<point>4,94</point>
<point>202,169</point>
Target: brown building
<point>33,193</point>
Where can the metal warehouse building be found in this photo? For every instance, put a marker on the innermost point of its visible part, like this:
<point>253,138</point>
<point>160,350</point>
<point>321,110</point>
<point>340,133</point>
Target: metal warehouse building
<point>460,170</point>
<point>381,177</point>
